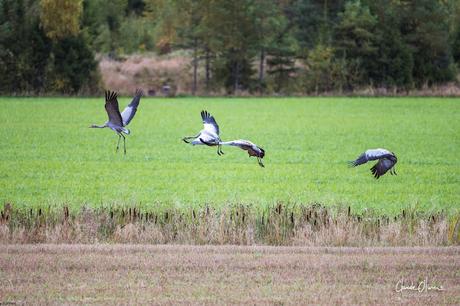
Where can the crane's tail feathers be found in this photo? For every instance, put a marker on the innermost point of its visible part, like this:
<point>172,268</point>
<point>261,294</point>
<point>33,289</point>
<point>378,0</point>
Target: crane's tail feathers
<point>126,131</point>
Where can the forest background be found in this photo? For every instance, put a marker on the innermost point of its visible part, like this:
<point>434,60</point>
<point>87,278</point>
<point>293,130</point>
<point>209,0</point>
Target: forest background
<point>220,47</point>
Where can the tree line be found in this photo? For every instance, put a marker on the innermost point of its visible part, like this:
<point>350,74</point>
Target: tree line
<point>258,46</point>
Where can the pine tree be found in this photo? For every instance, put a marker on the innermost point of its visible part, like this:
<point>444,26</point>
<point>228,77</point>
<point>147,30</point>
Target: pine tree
<point>425,28</point>
<point>355,42</point>
<point>234,43</point>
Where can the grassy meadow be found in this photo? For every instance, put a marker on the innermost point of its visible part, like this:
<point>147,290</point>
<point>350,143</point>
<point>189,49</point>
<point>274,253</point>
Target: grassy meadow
<point>49,156</point>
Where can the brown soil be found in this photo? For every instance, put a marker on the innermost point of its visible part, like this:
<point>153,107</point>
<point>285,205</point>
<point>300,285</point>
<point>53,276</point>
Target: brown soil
<point>175,274</point>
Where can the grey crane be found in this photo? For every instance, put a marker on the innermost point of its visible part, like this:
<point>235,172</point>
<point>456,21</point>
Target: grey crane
<point>209,135</point>
<point>386,161</point>
<point>117,121</point>
<point>253,149</point>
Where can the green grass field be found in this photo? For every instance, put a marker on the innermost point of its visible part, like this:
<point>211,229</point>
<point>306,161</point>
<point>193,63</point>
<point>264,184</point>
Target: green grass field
<point>49,156</point>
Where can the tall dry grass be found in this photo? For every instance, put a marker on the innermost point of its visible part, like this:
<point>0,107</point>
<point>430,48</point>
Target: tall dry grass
<point>241,225</point>
<point>150,72</point>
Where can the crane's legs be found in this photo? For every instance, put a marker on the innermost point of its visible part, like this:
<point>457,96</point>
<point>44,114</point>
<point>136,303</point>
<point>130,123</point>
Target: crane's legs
<point>219,148</point>
<point>212,144</point>
<point>124,142</point>
<point>186,138</point>
<point>120,135</point>
<point>118,144</point>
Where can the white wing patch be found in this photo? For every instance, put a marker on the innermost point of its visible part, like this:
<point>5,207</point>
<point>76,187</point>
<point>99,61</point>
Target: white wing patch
<point>130,110</point>
<point>208,127</point>
<point>209,123</point>
<point>126,114</point>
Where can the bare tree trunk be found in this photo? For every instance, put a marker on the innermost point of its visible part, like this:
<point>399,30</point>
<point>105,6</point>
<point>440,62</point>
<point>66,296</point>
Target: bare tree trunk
<point>261,65</point>
<point>207,68</point>
<point>236,76</point>
<point>195,67</point>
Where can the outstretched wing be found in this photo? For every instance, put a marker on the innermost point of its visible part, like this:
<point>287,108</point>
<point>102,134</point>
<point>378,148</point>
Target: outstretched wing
<point>210,124</point>
<point>374,154</point>
<point>111,106</point>
<point>128,113</point>
<point>382,167</point>
<point>371,154</point>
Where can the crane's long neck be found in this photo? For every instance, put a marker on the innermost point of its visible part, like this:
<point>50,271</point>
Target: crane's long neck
<point>95,126</point>
<point>227,143</point>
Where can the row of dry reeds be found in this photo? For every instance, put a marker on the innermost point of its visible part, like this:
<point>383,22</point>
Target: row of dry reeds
<point>279,225</point>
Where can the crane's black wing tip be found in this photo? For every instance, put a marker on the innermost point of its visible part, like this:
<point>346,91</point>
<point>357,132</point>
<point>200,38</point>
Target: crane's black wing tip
<point>135,102</point>
<point>375,172</point>
<point>204,115</point>
<point>110,95</point>
<point>207,117</point>
<point>139,92</point>
<point>352,164</point>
